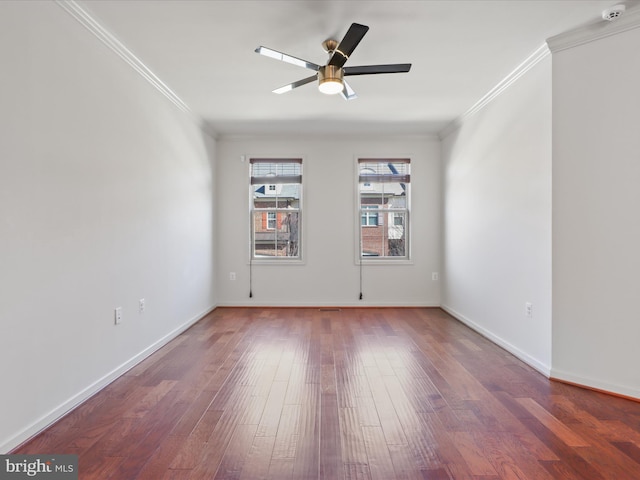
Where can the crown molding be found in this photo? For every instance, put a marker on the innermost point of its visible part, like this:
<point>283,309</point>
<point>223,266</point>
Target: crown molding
<point>595,31</point>
<point>541,53</point>
<point>563,41</point>
<point>106,37</point>
<point>286,135</point>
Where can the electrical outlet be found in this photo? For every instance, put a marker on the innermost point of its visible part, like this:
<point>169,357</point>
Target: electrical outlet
<point>118,315</point>
<point>435,276</point>
<point>232,275</point>
<point>141,305</point>
<point>528,310</point>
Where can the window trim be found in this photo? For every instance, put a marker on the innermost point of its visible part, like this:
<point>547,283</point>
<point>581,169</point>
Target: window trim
<point>268,181</point>
<point>407,259</point>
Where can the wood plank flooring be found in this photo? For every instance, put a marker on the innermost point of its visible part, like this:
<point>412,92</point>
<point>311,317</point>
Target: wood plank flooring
<point>376,394</point>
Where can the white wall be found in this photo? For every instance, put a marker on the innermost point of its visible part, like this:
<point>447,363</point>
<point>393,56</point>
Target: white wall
<point>596,223</point>
<point>497,218</point>
<point>105,198</point>
<point>329,274</point>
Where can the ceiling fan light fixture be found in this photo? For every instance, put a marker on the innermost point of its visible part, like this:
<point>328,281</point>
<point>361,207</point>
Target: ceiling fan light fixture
<point>330,79</point>
<point>331,87</point>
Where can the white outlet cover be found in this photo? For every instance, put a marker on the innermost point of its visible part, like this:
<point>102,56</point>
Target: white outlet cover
<point>528,309</point>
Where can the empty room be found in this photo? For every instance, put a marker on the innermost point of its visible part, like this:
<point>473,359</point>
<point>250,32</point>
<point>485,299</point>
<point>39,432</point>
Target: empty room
<point>305,239</point>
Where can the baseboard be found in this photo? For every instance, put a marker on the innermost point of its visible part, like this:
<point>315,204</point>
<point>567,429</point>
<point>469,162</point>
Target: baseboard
<point>595,384</point>
<point>361,304</point>
<point>57,413</point>
<point>512,349</point>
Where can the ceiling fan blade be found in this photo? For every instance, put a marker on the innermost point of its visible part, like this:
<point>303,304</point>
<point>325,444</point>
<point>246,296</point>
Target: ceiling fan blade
<point>268,52</point>
<point>374,69</point>
<point>348,44</point>
<point>299,83</point>
<point>347,92</point>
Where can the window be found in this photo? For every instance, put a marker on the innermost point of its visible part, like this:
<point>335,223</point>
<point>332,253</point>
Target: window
<point>383,205</point>
<point>276,198</point>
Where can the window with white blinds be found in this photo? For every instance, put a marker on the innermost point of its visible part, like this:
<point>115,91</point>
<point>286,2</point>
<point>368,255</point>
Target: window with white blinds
<point>383,207</point>
<point>276,208</point>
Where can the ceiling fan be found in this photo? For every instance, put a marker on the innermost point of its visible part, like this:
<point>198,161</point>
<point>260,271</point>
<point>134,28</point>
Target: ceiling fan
<point>331,76</point>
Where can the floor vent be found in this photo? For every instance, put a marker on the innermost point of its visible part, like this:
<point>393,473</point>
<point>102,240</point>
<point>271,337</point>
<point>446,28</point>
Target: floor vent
<point>330,309</point>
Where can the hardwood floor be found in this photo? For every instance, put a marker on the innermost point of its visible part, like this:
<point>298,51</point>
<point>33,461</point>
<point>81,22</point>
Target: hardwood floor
<point>343,394</point>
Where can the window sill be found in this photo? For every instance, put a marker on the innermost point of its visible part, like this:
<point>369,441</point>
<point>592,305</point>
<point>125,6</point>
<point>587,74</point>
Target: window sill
<point>385,261</point>
<point>279,261</point>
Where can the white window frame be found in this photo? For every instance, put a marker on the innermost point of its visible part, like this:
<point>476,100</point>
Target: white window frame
<point>273,189</point>
<point>386,216</point>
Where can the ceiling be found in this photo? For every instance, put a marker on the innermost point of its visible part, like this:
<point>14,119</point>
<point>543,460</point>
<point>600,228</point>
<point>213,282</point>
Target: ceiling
<point>204,52</point>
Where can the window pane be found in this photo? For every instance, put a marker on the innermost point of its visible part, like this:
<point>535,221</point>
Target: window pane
<point>275,234</point>
<point>372,241</point>
<point>383,239</point>
<point>288,196</point>
<point>388,195</point>
<point>371,195</point>
<point>262,198</point>
<point>395,195</point>
<point>276,196</point>
<point>396,234</point>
